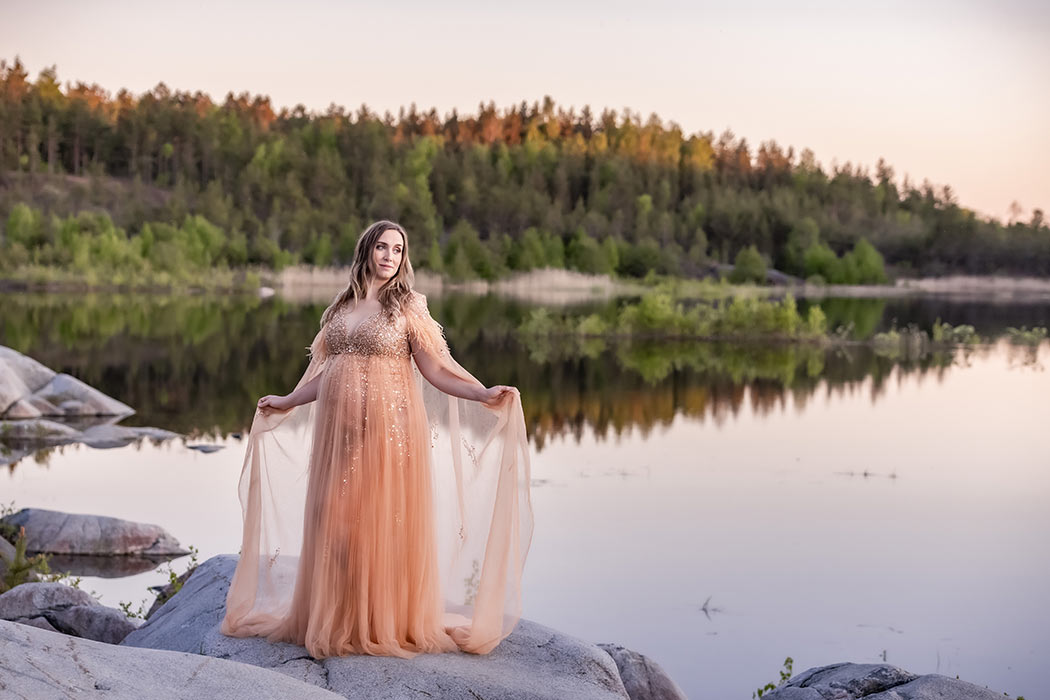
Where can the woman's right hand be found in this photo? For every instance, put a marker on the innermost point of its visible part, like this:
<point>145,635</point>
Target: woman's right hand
<point>270,402</point>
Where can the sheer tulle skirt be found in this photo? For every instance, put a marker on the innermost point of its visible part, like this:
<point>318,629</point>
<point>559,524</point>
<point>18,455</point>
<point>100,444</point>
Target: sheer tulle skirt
<point>368,580</point>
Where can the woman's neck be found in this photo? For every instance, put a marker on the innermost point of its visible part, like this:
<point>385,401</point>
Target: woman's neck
<point>373,289</point>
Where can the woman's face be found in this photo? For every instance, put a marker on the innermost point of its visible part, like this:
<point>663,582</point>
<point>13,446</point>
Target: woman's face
<point>386,255</point>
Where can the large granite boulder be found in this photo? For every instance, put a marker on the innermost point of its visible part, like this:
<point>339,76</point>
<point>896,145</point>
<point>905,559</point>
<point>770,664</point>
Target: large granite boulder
<point>60,608</point>
<point>533,662</point>
<point>41,664</point>
<point>849,681</point>
<point>28,389</point>
<point>55,532</point>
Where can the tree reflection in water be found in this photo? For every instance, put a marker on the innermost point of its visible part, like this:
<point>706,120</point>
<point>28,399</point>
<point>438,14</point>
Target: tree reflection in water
<point>197,364</point>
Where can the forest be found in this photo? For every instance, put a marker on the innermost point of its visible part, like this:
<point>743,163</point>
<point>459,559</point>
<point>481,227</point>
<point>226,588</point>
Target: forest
<point>173,183</point>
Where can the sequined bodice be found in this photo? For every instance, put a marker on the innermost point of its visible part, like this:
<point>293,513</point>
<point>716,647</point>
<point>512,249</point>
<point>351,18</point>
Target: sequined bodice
<point>377,334</point>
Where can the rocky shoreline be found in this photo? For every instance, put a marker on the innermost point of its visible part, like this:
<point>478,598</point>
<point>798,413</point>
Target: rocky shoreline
<point>88,648</point>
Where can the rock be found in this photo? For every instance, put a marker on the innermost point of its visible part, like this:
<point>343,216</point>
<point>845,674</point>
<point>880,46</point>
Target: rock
<point>158,434</point>
<point>39,623</point>
<point>75,398</point>
<point>30,372</point>
<point>848,681</point>
<point>28,389</point>
<point>70,533</point>
<point>72,407</point>
<point>21,409</point>
<point>20,376</point>
<point>66,609</point>
<point>533,662</point>
<point>39,430</point>
<point>19,438</point>
<point>106,436</point>
<point>39,403</point>
<point>41,664</point>
<point>205,449</point>
<point>643,678</point>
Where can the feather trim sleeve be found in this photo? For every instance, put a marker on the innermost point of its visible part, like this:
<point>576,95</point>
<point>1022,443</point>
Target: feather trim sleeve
<point>424,333</point>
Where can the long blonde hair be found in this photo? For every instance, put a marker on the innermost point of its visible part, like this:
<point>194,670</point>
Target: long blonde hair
<point>396,290</point>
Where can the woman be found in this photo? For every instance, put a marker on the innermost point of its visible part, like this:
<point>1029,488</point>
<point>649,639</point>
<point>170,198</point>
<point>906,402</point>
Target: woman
<point>408,531</point>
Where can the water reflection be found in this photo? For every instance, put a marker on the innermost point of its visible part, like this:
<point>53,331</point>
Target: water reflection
<point>196,364</point>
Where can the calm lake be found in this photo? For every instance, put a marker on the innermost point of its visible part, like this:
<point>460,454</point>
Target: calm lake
<point>717,507</point>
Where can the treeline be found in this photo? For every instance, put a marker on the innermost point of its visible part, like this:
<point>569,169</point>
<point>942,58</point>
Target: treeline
<point>481,194</point>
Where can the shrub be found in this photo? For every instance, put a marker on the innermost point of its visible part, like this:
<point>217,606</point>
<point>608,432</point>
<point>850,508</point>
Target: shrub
<point>749,266</point>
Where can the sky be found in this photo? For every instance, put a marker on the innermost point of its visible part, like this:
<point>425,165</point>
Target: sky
<point>954,92</point>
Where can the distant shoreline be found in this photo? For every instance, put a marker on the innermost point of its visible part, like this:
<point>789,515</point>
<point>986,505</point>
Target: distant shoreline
<point>560,286</point>
<point>557,287</point>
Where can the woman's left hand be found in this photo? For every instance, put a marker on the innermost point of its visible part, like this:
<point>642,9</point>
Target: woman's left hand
<point>495,396</point>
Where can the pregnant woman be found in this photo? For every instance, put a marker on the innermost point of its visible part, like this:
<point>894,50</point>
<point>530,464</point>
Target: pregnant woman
<point>383,514</point>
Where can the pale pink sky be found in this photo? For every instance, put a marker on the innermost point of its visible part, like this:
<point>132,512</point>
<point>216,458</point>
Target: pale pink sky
<point>957,92</point>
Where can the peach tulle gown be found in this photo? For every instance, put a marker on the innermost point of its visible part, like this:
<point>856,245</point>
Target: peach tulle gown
<point>386,517</point>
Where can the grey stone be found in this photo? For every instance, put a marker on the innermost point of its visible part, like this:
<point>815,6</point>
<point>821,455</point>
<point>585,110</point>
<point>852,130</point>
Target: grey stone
<point>20,376</point>
<point>64,388</point>
<point>65,609</point>
<point>533,662</point>
<point>41,664</point>
<point>205,449</point>
<point>55,532</point>
<point>22,409</point>
<point>29,599</point>
<point>105,436</point>
<point>41,404</point>
<point>72,407</point>
<point>849,681</point>
<point>39,623</point>
<point>158,434</point>
<point>38,430</point>
<point>29,372</point>
<point>936,687</point>
<point>643,678</point>
<point>98,622</point>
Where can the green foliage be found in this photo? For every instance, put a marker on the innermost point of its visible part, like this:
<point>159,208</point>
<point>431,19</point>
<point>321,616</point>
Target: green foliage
<point>279,186</point>
<point>862,265</point>
<point>89,247</point>
<point>20,568</point>
<point>749,266</point>
<point>819,260</point>
<point>658,314</point>
<point>174,585</point>
<point>953,335</point>
<point>587,255</point>
<point>907,343</point>
<point>785,676</point>
<point>1026,336</point>
<point>467,257</point>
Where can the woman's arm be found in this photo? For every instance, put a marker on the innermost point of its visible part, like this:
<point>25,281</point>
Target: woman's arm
<point>304,394</point>
<point>435,372</point>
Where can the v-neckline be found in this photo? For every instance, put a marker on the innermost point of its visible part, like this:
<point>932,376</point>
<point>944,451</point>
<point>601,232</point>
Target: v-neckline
<point>363,321</point>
